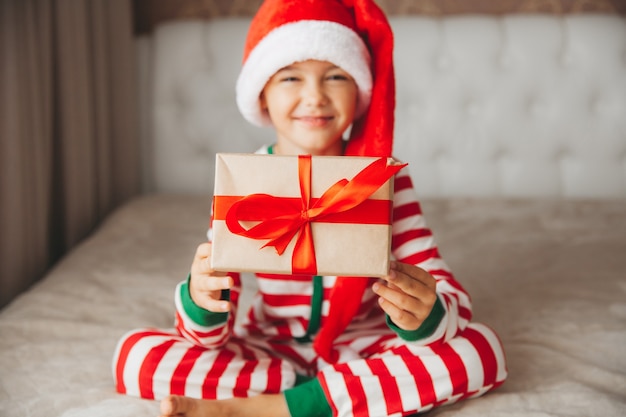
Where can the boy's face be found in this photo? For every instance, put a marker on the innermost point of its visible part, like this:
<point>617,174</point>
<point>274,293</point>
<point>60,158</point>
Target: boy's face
<point>311,104</point>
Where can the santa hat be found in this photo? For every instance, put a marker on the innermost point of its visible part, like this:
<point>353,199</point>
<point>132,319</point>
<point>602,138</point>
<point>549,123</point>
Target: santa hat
<point>354,35</point>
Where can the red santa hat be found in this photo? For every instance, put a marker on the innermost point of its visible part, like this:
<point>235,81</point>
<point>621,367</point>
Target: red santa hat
<point>354,35</point>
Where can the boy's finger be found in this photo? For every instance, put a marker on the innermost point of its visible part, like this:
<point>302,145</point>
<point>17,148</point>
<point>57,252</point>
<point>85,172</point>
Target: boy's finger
<point>402,318</point>
<point>415,274</point>
<point>215,306</point>
<point>203,250</point>
<point>214,283</point>
<point>399,299</point>
<point>404,283</point>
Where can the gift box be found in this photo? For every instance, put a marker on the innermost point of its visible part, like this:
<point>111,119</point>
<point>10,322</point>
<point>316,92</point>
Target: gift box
<point>309,215</point>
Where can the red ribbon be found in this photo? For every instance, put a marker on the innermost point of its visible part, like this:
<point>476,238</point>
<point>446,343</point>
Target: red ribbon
<point>282,218</point>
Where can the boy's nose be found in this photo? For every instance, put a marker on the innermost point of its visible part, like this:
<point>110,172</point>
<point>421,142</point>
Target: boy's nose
<point>314,95</point>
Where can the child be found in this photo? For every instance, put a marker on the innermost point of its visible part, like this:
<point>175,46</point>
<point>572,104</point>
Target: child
<point>319,346</point>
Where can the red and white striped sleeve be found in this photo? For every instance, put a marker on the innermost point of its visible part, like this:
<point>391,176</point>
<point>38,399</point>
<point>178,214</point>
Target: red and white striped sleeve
<point>200,326</point>
<point>413,243</point>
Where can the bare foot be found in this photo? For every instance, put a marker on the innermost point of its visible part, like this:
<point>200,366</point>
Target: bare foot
<point>271,405</point>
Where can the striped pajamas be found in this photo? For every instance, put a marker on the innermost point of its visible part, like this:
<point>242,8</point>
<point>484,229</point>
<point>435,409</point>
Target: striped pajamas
<point>378,373</point>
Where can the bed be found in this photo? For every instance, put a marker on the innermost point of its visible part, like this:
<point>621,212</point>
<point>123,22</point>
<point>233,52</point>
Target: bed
<point>515,133</point>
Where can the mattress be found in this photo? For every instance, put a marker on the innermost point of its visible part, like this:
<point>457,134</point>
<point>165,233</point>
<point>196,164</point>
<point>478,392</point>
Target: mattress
<point>548,275</point>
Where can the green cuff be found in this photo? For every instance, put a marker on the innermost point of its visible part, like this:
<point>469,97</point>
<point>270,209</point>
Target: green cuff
<point>308,400</point>
<point>198,314</point>
<point>427,328</point>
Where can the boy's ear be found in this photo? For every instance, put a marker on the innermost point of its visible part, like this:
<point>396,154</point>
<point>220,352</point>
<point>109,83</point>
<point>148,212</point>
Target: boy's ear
<point>262,101</point>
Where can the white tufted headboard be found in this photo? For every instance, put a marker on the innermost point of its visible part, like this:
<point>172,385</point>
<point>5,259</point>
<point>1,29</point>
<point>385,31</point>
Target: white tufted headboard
<point>521,105</point>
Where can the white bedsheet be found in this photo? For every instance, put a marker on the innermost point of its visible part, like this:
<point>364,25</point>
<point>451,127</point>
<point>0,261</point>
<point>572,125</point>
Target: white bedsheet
<point>549,276</point>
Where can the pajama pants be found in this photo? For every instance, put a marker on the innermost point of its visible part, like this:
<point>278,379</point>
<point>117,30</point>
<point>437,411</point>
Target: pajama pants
<point>375,376</point>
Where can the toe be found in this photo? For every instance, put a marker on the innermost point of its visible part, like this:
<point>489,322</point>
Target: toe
<point>171,406</point>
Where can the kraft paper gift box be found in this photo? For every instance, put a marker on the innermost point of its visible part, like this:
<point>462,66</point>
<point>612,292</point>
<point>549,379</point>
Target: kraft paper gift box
<point>264,204</point>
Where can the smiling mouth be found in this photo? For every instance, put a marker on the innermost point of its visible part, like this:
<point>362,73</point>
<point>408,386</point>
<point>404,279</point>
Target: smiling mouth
<point>315,120</point>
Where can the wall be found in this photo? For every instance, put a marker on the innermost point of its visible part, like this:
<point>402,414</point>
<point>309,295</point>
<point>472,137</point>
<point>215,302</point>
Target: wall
<point>148,13</point>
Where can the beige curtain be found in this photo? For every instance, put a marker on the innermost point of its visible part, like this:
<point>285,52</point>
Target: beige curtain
<point>68,128</point>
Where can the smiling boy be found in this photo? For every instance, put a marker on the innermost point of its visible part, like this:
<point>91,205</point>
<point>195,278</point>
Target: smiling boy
<point>319,346</point>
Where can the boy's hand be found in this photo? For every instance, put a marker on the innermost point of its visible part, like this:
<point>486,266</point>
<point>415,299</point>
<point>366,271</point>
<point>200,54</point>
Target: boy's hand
<point>206,285</point>
<point>409,295</point>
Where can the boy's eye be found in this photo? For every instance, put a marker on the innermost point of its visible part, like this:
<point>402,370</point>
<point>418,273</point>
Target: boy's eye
<point>287,76</point>
<point>337,77</point>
